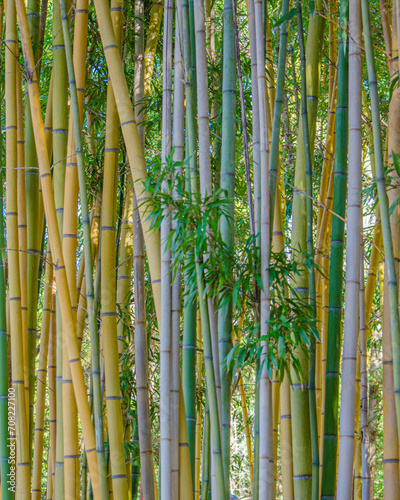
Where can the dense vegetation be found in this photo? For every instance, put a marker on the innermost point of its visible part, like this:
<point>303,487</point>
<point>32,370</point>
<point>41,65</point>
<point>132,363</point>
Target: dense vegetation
<point>199,250</point>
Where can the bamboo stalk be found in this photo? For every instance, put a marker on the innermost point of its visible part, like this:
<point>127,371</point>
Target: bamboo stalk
<point>48,198</point>
<point>20,430</point>
<point>384,208</point>
<point>226,227</point>
<point>42,376</point>
<point>169,489</point>
<point>353,260</point>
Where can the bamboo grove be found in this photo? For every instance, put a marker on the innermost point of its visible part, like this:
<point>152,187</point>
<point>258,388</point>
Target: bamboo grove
<point>199,250</point>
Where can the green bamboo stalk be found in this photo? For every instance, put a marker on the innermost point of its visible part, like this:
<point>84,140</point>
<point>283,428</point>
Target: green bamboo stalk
<point>221,489</point>
<point>227,183</point>
<point>310,250</point>
<point>276,124</point>
<point>189,309</point>
<point>336,266</point>
<point>384,208</point>
<point>205,485</point>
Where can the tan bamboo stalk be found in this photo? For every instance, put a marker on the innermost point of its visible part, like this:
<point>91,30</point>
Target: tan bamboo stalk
<point>266,472</point>
<point>42,380</point>
<point>71,444</point>
<point>141,362</point>
<point>151,44</point>
<point>354,228</point>
<point>365,452</point>
<point>22,240</point>
<point>22,462</point>
<point>52,388</point>
<point>62,285</point>
<point>169,490</point>
<point>108,276</point>
<point>132,140</point>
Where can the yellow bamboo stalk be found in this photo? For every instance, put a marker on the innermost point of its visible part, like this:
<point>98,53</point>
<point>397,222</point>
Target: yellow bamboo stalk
<point>52,387</point>
<point>55,241</point>
<point>22,242</point>
<point>151,44</point>
<point>20,430</point>
<point>108,276</point>
<point>71,188</point>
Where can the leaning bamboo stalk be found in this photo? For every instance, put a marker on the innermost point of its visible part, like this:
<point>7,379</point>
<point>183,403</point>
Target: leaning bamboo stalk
<point>49,205</point>
<point>132,141</point>
<point>21,425</point>
<point>352,293</point>
<point>384,208</point>
<point>42,380</point>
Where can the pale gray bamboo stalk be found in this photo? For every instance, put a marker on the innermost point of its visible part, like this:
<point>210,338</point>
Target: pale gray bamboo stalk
<point>178,140</point>
<point>141,361</point>
<point>165,323</point>
<point>266,469</point>
<point>365,455</point>
<point>255,116</point>
<point>352,294</point>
